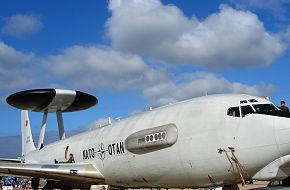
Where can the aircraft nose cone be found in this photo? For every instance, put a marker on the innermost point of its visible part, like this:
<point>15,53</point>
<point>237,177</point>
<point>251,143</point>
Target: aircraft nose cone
<point>282,134</point>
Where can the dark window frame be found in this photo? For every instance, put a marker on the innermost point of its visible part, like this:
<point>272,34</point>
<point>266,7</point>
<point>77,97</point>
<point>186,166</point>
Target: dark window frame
<point>249,110</point>
<point>234,111</point>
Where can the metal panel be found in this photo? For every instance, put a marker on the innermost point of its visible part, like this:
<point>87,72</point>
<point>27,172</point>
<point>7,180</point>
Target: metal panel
<point>152,139</point>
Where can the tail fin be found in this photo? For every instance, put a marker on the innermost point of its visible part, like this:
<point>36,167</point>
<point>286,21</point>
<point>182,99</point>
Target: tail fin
<point>27,140</point>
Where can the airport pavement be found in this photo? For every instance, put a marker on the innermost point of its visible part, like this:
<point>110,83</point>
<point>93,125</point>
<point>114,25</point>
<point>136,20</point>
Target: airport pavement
<point>258,185</point>
<point>274,188</point>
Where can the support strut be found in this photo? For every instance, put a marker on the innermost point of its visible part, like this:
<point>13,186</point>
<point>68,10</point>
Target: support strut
<point>60,125</point>
<point>42,131</point>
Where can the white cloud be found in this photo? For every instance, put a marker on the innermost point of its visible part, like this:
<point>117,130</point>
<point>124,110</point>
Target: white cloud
<point>227,39</point>
<point>286,35</point>
<point>101,68</point>
<point>197,84</point>
<point>15,68</point>
<point>137,25</point>
<point>278,8</point>
<point>95,67</point>
<point>21,24</point>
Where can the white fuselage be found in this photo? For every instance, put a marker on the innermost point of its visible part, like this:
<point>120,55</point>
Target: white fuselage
<point>194,160</point>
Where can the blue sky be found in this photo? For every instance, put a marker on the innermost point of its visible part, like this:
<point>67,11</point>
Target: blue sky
<point>134,54</point>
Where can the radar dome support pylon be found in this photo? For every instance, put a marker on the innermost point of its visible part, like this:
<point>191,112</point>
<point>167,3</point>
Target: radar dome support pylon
<point>60,125</point>
<point>42,131</point>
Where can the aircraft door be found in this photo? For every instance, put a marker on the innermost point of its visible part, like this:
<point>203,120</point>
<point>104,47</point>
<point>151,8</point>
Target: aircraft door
<point>232,125</point>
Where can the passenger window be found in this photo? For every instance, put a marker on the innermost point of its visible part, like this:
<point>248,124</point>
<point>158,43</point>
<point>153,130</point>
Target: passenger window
<point>234,111</point>
<point>246,110</point>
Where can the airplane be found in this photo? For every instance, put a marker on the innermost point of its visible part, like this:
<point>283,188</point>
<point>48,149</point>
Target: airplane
<point>209,141</point>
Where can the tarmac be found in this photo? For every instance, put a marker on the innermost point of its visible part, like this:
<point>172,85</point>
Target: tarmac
<point>258,185</point>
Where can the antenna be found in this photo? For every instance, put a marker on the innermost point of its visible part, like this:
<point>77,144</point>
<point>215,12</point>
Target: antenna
<point>109,120</point>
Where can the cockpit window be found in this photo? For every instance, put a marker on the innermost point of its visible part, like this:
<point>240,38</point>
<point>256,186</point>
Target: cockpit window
<point>246,110</point>
<point>234,111</point>
<point>253,100</point>
<point>243,101</point>
<point>265,107</point>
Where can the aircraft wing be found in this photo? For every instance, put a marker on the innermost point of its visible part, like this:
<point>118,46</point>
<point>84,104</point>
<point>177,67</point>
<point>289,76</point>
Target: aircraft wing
<point>76,173</point>
<point>8,160</point>
<point>279,169</point>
